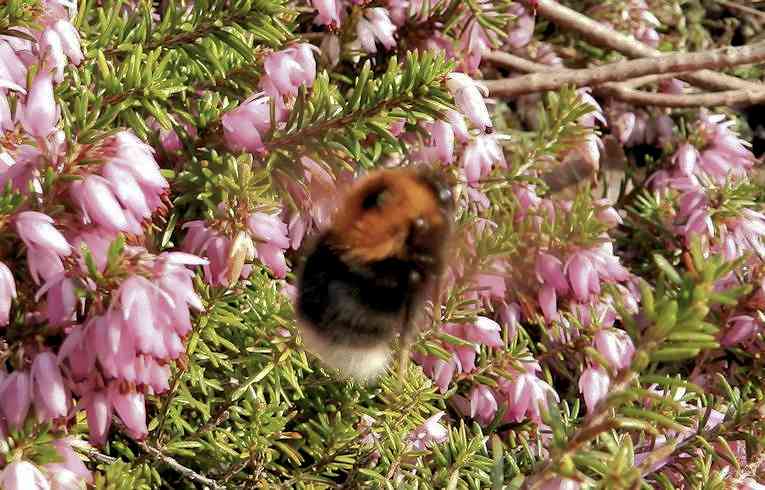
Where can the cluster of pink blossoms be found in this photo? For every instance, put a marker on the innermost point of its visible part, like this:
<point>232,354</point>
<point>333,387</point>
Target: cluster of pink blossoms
<point>122,329</point>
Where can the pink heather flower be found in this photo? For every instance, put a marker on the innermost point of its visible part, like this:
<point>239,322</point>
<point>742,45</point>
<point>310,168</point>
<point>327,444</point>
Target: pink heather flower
<point>243,127</point>
<point>510,315</point>
<point>740,328</point>
<point>523,30</point>
<point>429,433</point>
<point>440,371</point>
<point>475,44</point>
<point>131,409</point>
<point>329,12</point>
<point>37,230</point>
<point>484,331</point>
<point>373,27</point>
<point>442,136</point>
<point>468,95</point>
<point>483,405</point>
<point>581,274</point>
<point>61,300</point>
<point>457,122</point>
<point>99,205</point>
<point>525,393</point>
<point>99,416</point>
<point>7,293</point>
<point>623,126</point>
<point>40,113</point>
<point>596,113</point>
<point>548,301</point>
<point>70,472</point>
<point>288,69</point>
<point>23,475</point>
<point>685,158</point>
<point>15,397</point>
<point>51,396</point>
<point>616,346</point>
<point>13,71</point>
<point>549,270</point>
<point>70,40</point>
<point>480,157</point>
<point>137,157</point>
<point>593,384</point>
<point>607,213</point>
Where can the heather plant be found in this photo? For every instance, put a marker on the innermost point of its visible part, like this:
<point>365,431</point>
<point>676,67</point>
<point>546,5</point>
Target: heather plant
<point>600,320</point>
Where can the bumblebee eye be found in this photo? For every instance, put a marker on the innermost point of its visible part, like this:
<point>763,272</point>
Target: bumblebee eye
<point>375,198</point>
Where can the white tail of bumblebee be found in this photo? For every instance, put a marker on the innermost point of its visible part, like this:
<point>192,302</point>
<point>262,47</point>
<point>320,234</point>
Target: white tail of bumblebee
<point>364,364</point>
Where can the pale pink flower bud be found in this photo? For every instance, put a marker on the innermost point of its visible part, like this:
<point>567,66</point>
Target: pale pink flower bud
<point>7,293</point>
<point>457,121</point>
<point>98,203</point>
<point>70,472</point>
<point>381,26</point>
<point>23,475</point>
<point>579,270</point>
<point>99,412</point>
<point>483,405</point>
<point>430,432</point>
<point>468,95</point>
<point>12,69</point>
<point>593,384</point>
<point>523,30</point>
<point>50,394</point>
<point>51,46</point>
<point>484,331</point>
<point>61,302</point>
<point>70,40</point>
<point>131,408</point>
<point>244,126</point>
<point>15,397</point>
<point>329,12</point>
<point>548,301</point>
<point>623,126</point>
<point>37,230</point>
<point>526,395</point>
<point>268,228</point>
<point>550,271</point>
<point>442,136</point>
<point>616,346</point>
<point>40,114</point>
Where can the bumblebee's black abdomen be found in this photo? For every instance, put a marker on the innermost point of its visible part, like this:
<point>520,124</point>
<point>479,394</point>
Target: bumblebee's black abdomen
<point>356,306</point>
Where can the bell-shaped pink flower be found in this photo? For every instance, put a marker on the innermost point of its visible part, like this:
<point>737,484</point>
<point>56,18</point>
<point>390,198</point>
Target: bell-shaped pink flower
<point>523,29</point>
<point>15,397</point>
<point>468,95</point>
<point>70,472</point>
<point>616,346</point>
<point>70,40</point>
<point>483,405</point>
<point>593,384</point>
<point>481,156</point>
<point>548,301</point>
<point>429,433</point>
<point>484,331</point>
<point>526,394</point>
<point>36,229</point>
<point>99,204</point>
<point>244,127</point>
<point>99,411</point>
<point>7,293</point>
<point>329,12</point>
<point>61,301</point>
<point>131,408</point>
<point>40,114</point>
<point>550,271</point>
<point>580,272</point>
<point>442,135</point>
<point>374,27</point>
<point>23,475</point>
<point>51,396</point>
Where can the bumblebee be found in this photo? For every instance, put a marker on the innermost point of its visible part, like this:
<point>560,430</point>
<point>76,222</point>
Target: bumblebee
<point>365,278</point>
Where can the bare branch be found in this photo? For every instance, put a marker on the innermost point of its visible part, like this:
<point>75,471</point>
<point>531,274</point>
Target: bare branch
<point>602,35</point>
<point>183,470</point>
<point>710,99</point>
<point>625,70</point>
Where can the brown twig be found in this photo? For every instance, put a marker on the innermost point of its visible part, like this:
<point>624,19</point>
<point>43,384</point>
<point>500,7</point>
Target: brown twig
<point>604,36</point>
<point>711,99</point>
<point>625,70</point>
<point>183,470</point>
